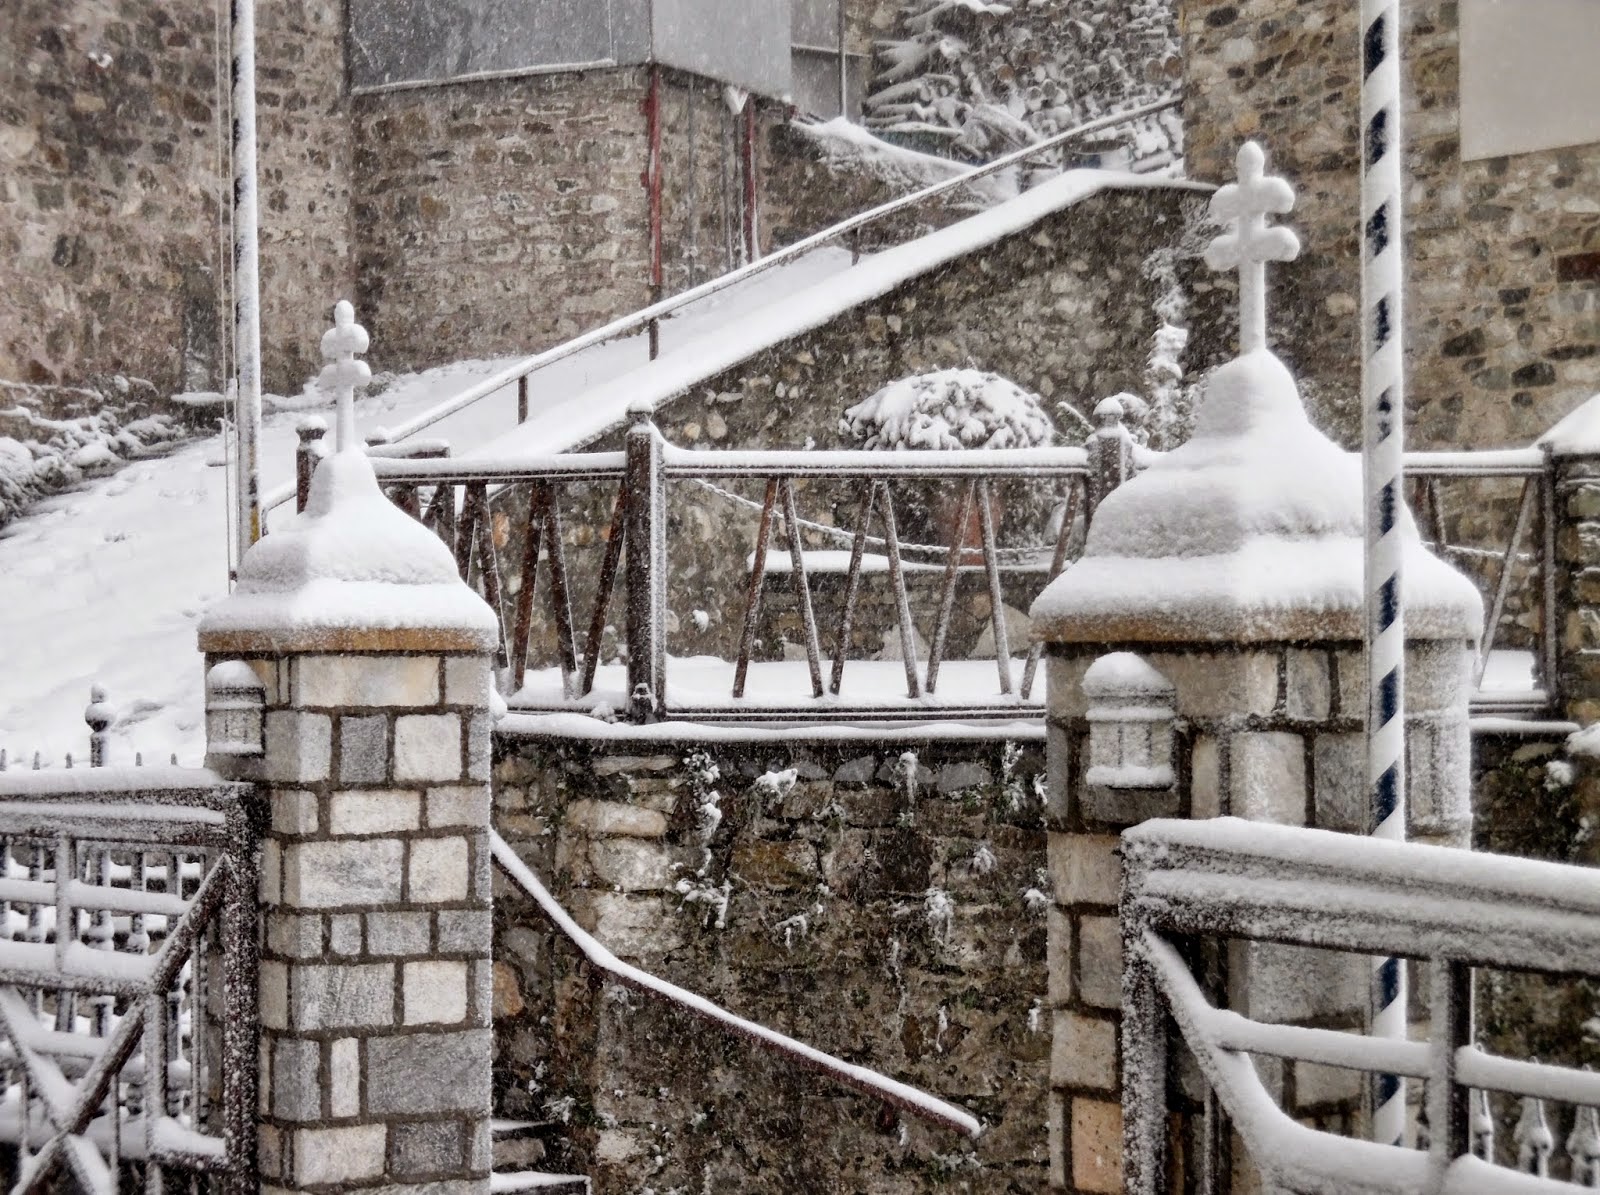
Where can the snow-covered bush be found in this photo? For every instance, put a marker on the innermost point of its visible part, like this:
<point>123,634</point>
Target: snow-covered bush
<point>950,408</point>
<point>983,78</point>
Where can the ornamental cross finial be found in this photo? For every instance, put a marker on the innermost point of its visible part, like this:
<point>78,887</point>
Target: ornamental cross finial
<point>1250,242</point>
<point>343,373</point>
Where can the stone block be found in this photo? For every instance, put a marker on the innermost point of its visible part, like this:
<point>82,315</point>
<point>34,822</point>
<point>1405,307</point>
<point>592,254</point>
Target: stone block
<point>296,1084</point>
<point>1056,1129</point>
<point>328,875</point>
<point>1308,685</point>
<point>859,770</point>
<point>634,928</point>
<point>1205,778</point>
<point>344,933</point>
<point>459,805</point>
<point>269,883</point>
<point>457,1066</point>
<point>1267,777</point>
<point>632,864</point>
<point>344,681</point>
<point>481,987</point>
<point>785,864</point>
<point>344,1077</point>
<point>427,747</point>
<point>961,775</point>
<point>299,746</point>
<point>480,746</point>
<point>1212,685</point>
<point>341,995</point>
<point>294,936</point>
<point>1058,767</point>
<point>612,818</point>
<point>346,1154</point>
<point>438,871</point>
<point>1085,868</point>
<point>272,996</point>
<point>1439,784</point>
<point>1097,1146</point>
<point>1064,675</point>
<point>1083,1051</point>
<point>1100,961</point>
<point>1438,678</point>
<point>1325,1086</point>
<point>434,992</point>
<point>294,812</point>
<point>399,933</point>
<point>363,749</point>
<point>465,931</point>
<point>467,680</point>
<point>1339,782</point>
<point>1059,957</point>
<point>1350,668</point>
<point>1294,984</point>
<point>373,811</point>
<point>429,1148</point>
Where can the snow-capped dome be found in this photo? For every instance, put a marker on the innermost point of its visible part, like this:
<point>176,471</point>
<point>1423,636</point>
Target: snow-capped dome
<point>352,567</point>
<point>1252,530</point>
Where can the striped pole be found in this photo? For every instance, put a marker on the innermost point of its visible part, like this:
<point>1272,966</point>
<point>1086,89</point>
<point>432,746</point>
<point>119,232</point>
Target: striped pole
<point>1383,399</point>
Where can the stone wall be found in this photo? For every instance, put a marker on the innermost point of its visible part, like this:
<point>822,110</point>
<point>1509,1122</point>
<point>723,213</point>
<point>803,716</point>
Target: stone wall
<point>884,907</point>
<point>1502,323</point>
<point>112,209</point>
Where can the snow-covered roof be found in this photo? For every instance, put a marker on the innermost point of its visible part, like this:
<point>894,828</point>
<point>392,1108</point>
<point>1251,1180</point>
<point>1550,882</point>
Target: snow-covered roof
<point>606,406</point>
<point>352,572</point>
<point>1251,531</point>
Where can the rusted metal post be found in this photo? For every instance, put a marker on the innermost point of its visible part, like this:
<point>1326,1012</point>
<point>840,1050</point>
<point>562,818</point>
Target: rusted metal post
<point>652,184</point>
<point>522,399</point>
<point>310,450</point>
<point>1110,454</point>
<point>646,566</point>
<point>752,232</point>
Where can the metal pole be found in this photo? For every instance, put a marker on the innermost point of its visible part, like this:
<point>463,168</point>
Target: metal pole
<point>246,274</point>
<point>844,68</point>
<point>1383,399</point>
<point>652,182</point>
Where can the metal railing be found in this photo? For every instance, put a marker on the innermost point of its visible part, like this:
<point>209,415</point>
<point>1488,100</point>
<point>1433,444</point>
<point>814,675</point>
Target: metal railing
<point>901,1096</point>
<point>855,498</point>
<point>1185,882</point>
<point>520,373</point>
<point>127,979</point>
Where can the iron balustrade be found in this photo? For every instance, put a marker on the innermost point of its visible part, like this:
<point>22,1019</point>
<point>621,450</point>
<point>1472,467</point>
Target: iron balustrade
<point>1185,881</point>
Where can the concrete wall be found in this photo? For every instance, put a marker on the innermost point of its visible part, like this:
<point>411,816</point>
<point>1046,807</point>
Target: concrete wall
<point>1503,298</point>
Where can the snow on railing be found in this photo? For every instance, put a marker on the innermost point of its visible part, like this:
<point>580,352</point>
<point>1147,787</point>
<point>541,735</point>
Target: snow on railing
<point>857,502</point>
<point>520,373</point>
<point>898,1095</point>
<point>1458,910</point>
<point>110,1054</point>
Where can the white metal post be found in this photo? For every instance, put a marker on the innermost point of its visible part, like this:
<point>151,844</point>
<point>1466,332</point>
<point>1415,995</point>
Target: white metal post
<point>246,276</point>
<point>1383,404</point>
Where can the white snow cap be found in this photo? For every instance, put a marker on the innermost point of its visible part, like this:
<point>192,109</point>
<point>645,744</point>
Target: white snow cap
<point>1578,433</point>
<point>1253,530</point>
<point>950,408</point>
<point>1123,674</point>
<point>352,563</point>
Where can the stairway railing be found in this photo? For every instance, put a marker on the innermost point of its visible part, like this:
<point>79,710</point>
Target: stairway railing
<point>520,373</point>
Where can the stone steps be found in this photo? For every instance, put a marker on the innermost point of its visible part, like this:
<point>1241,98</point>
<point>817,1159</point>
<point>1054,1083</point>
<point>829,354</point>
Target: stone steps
<point>520,1144</point>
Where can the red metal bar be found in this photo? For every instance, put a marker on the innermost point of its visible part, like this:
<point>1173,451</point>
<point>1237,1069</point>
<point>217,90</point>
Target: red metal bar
<point>602,597</point>
<point>1059,562</point>
<point>652,184</point>
<point>947,597</point>
<point>991,562</point>
<point>802,585</point>
<point>530,576</point>
<point>752,247</point>
<point>560,592</point>
<point>852,586</point>
<point>752,602</point>
<point>908,649</point>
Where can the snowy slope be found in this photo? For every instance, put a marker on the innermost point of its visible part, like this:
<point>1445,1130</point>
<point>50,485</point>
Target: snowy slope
<point>105,584</point>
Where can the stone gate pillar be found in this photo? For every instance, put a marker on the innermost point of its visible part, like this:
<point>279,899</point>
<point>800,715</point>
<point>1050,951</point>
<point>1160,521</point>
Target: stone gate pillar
<point>1205,660</point>
<point>371,747</point>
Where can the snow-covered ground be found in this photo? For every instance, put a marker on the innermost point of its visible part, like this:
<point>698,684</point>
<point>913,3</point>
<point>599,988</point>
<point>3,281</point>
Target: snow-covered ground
<point>106,583</point>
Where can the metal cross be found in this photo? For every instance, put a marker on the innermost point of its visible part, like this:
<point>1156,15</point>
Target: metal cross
<point>1250,241</point>
<point>343,373</point>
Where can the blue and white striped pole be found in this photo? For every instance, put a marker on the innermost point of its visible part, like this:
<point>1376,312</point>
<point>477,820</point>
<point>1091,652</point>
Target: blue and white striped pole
<point>1383,398</point>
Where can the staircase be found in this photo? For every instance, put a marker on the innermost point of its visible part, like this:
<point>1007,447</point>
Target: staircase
<point>524,1143</point>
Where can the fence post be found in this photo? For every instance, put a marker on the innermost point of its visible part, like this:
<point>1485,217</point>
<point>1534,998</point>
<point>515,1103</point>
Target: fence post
<point>310,450</point>
<point>1110,453</point>
<point>98,716</point>
<point>646,539</point>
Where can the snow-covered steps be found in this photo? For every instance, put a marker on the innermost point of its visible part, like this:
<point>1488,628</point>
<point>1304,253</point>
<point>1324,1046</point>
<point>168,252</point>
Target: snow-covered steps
<point>522,1144</point>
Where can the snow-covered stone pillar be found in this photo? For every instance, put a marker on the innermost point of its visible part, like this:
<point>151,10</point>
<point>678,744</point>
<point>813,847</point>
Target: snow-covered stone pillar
<point>1216,621</point>
<point>375,974</point>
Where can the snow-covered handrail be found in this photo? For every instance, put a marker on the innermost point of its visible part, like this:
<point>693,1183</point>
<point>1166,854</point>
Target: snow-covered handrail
<point>641,320</point>
<point>1499,462</point>
<point>892,1092</point>
<point>1227,878</point>
<point>860,463</point>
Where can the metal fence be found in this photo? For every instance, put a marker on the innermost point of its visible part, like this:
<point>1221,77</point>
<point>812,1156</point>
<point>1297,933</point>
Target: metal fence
<point>127,980</point>
<point>1185,883</point>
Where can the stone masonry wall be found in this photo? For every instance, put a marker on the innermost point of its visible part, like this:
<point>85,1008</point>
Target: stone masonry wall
<point>112,209</point>
<point>898,924</point>
<point>1503,283</point>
